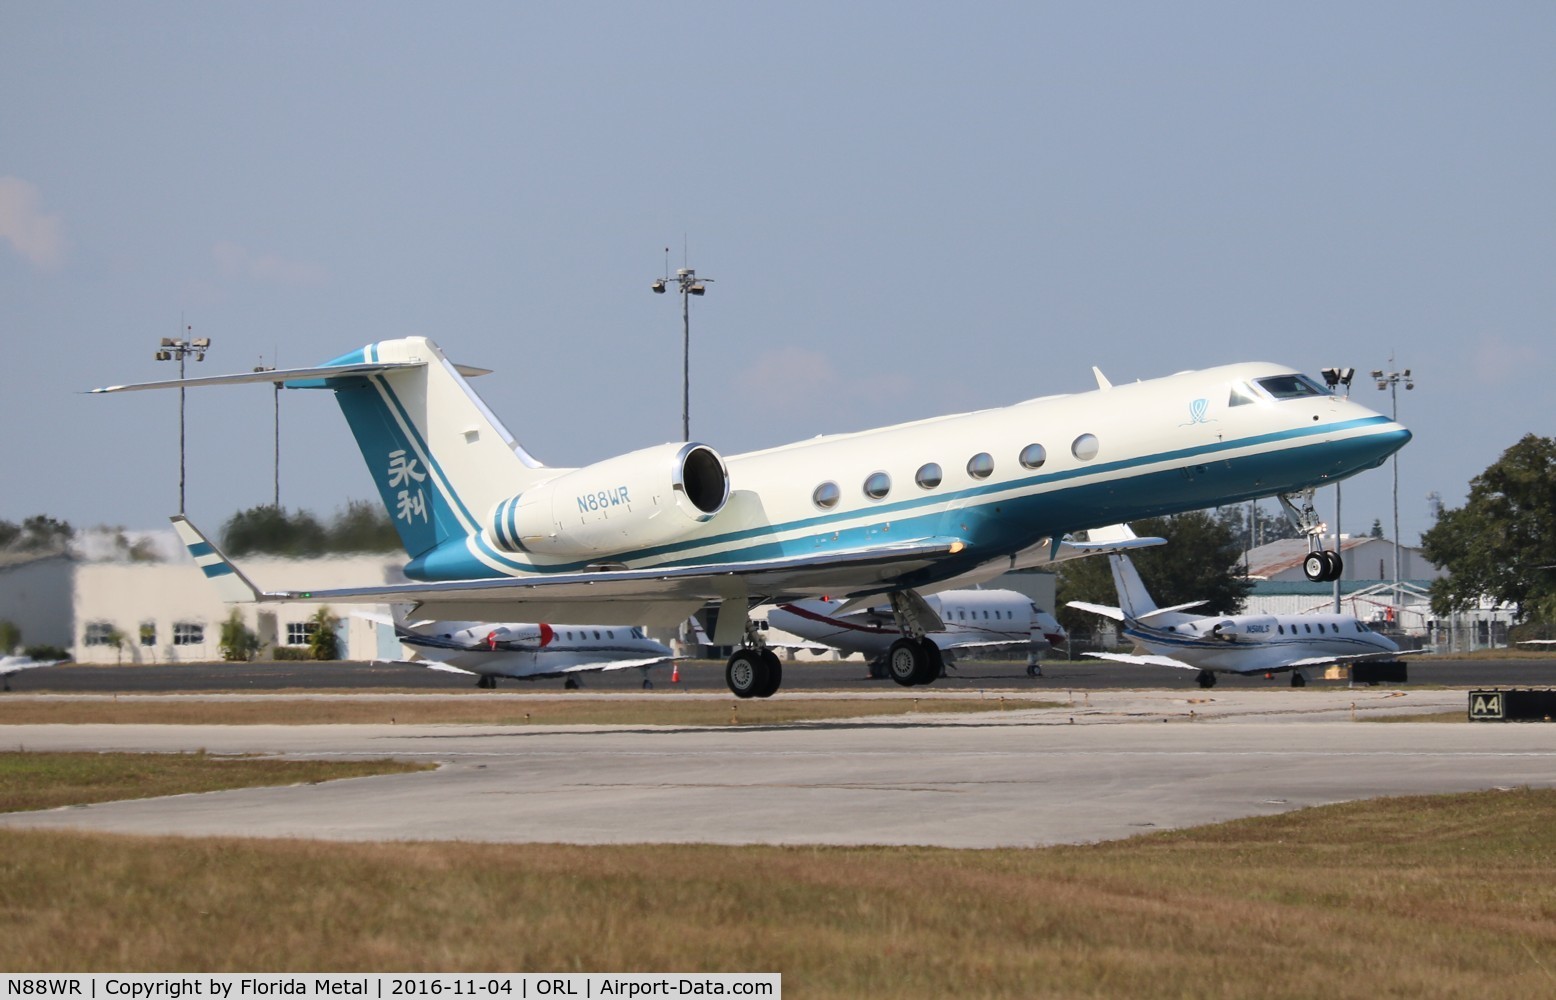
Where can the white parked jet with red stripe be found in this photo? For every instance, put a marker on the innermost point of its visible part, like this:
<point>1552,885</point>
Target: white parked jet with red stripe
<point>888,514</point>
<point>528,650</point>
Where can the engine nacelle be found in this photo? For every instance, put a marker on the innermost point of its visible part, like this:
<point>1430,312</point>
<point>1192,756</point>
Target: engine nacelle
<point>1244,627</point>
<point>644,498</point>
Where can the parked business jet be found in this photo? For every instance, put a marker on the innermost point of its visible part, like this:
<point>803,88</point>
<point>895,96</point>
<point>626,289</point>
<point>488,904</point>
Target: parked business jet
<point>893,513</point>
<point>528,650</point>
<point>1231,644</point>
<point>15,664</point>
<point>975,620</point>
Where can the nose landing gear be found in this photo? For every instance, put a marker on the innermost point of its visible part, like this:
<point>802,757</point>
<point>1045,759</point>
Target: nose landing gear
<point>1320,565</point>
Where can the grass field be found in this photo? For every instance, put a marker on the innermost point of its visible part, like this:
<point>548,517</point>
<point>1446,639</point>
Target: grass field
<point>51,780</point>
<point>1447,896</point>
<point>1427,896</point>
<point>475,710</point>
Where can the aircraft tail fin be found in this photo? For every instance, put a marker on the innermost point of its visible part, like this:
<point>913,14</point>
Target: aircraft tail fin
<point>1133,599</point>
<point>440,459</point>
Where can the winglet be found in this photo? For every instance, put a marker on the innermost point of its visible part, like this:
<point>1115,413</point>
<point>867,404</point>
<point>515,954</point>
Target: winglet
<point>231,585</point>
<point>1102,380</point>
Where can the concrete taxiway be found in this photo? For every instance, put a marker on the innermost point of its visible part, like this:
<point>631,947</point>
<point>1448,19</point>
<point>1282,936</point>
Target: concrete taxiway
<point>1108,765</point>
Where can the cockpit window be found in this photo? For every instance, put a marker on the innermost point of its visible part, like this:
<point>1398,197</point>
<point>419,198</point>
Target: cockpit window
<point>1292,387</point>
<point>1241,395</point>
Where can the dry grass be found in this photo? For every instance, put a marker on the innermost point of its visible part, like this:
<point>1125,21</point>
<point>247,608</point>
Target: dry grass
<point>475,710</point>
<point>1447,896</point>
<point>50,780</point>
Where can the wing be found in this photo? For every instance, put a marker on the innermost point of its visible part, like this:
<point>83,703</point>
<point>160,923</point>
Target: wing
<point>578,668</point>
<point>1155,661</point>
<point>662,596</point>
<point>13,667</point>
<point>1313,661</point>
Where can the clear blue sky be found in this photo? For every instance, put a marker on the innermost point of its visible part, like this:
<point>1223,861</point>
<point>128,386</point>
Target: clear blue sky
<point>908,208</point>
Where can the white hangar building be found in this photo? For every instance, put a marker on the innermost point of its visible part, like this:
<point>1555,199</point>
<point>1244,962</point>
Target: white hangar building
<point>115,611</point>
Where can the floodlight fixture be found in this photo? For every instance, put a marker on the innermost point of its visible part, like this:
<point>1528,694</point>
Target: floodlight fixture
<point>178,349</point>
<point>689,284</point>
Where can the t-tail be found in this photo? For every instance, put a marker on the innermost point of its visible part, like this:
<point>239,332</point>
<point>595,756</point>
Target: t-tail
<point>440,459</point>
<point>1133,599</point>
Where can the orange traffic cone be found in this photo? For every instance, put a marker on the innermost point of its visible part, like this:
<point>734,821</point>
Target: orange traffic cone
<point>675,673</point>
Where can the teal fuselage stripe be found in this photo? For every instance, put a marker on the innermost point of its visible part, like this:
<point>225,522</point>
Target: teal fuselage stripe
<point>216,569</point>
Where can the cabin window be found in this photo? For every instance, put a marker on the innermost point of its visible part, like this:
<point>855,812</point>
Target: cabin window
<point>877,486</point>
<point>1085,447</point>
<point>1241,395</point>
<point>569,635</point>
<point>1333,627</point>
<point>610,633</point>
<point>1033,456</point>
<point>929,475</point>
<point>1307,628</point>
<point>1281,629</point>
<point>596,633</point>
<point>826,496</point>
<point>1292,387</point>
<point>981,465</point>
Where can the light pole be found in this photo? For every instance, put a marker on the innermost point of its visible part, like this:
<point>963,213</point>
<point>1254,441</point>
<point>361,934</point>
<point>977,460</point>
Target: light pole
<point>690,285</point>
<point>176,349</point>
<point>1390,381</point>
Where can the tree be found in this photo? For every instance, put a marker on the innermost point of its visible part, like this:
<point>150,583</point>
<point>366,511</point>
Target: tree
<point>39,533</point>
<point>323,643</point>
<point>10,637</point>
<point>1501,545</point>
<point>363,526</point>
<point>1202,561</point>
<point>1377,529</point>
<point>268,528</point>
<point>238,641</point>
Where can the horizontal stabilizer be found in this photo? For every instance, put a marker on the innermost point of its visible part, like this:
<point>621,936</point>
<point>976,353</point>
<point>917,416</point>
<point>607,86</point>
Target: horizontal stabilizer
<point>284,375</point>
<point>1099,609</point>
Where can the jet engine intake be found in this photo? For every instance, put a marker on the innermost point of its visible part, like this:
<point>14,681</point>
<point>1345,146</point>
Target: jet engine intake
<point>644,498</point>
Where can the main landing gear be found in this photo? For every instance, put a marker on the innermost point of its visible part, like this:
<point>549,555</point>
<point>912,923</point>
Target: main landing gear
<point>1319,565</point>
<point>753,670</point>
<point>913,659</point>
<point>1206,679</point>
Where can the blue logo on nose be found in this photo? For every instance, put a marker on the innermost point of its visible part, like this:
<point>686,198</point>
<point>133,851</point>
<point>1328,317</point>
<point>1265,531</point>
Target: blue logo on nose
<point>1197,413</point>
